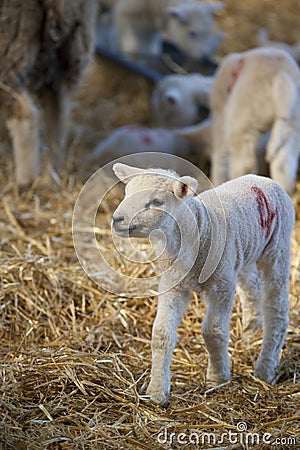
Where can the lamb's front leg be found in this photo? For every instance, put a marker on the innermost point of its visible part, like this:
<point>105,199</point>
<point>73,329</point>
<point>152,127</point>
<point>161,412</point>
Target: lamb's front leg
<point>171,307</point>
<point>215,330</point>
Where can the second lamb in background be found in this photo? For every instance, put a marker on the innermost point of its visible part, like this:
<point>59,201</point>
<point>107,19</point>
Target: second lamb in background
<point>256,92</point>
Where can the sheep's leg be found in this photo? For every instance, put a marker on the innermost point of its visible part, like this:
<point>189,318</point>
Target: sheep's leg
<point>243,158</point>
<point>56,110</point>
<point>284,166</point>
<point>275,311</point>
<point>220,154</point>
<point>171,308</point>
<point>215,330</point>
<point>23,129</point>
<point>286,99</point>
<point>250,292</point>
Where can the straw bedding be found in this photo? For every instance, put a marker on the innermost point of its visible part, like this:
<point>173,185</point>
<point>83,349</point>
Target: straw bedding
<point>74,359</point>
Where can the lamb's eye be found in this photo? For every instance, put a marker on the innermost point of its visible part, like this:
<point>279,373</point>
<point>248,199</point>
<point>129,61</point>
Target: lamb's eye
<point>154,202</point>
<point>193,34</point>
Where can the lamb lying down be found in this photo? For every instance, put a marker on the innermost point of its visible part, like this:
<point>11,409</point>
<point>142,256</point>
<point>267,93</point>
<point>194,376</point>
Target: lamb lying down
<point>136,139</point>
<point>255,217</point>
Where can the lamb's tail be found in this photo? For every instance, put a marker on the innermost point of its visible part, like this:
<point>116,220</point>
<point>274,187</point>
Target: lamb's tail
<point>263,37</point>
<point>286,98</point>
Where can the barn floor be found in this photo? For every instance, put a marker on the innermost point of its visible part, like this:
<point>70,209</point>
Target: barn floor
<point>74,359</point>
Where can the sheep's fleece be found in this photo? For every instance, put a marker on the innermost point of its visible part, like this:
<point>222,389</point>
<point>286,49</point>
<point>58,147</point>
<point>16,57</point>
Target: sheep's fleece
<point>256,92</point>
<point>256,216</point>
<point>45,46</point>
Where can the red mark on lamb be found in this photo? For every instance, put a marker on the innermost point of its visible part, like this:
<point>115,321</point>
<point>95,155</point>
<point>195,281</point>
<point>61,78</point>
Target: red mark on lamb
<point>235,74</point>
<point>147,139</point>
<point>143,135</point>
<point>266,214</point>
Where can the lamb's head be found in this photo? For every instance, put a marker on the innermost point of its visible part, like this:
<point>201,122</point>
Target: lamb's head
<point>151,196</point>
<point>181,100</point>
<point>190,26</point>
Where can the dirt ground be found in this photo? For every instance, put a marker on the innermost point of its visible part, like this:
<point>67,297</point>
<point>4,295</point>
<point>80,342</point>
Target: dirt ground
<point>75,359</point>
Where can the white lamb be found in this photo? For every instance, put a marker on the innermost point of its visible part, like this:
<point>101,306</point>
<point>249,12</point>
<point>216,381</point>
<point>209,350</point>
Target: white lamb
<point>45,47</point>
<point>255,217</point>
<point>255,92</point>
<point>177,99</point>
<point>136,139</point>
<point>189,25</point>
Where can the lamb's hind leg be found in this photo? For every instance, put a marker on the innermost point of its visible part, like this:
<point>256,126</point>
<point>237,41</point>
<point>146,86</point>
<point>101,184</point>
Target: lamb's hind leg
<point>215,332</point>
<point>243,157</point>
<point>251,293</point>
<point>275,311</point>
<point>23,129</point>
<point>284,165</point>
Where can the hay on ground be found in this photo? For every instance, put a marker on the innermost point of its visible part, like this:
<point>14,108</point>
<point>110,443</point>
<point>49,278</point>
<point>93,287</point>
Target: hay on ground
<point>75,359</point>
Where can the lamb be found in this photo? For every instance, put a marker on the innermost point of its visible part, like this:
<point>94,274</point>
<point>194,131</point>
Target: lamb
<point>46,46</point>
<point>177,100</point>
<point>255,92</point>
<point>188,25</point>
<point>136,139</point>
<point>264,41</point>
<point>239,231</point>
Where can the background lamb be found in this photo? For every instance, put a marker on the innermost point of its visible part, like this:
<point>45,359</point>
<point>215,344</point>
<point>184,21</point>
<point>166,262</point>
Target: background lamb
<point>45,47</point>
<point>188,25</point>
<point>135,139</point>
<point>255,92</point>
<point>256,253</point>
<point>179,100</point>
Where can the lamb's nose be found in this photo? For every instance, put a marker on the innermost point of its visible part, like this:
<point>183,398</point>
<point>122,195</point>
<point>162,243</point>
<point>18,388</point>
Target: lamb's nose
<point>118,219</point>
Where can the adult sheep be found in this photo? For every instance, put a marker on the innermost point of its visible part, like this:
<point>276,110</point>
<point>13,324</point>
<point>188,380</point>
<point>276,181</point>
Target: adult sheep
<point>256,217</point>
<point>45,47</point>
<point>255,92</point>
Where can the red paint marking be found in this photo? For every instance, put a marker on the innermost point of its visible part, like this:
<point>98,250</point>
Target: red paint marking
<point>266,214</point>
<point>146,138</point>
<point>235,74</point>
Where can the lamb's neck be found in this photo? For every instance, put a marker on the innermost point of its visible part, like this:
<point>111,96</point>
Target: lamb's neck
<point>188,225</point>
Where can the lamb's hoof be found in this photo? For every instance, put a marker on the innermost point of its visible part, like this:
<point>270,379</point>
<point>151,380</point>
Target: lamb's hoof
<point>210,384</point>
<point>213,380</point>
<point>157,396</point>
<point>266,375</point>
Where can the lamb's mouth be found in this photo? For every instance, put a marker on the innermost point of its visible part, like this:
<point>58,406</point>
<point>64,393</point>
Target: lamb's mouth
<point>127,231</point>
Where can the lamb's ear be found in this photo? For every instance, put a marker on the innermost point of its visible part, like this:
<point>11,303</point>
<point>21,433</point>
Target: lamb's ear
<point>178,13</point>
<point>185,187</point>
<point>124,172</point>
